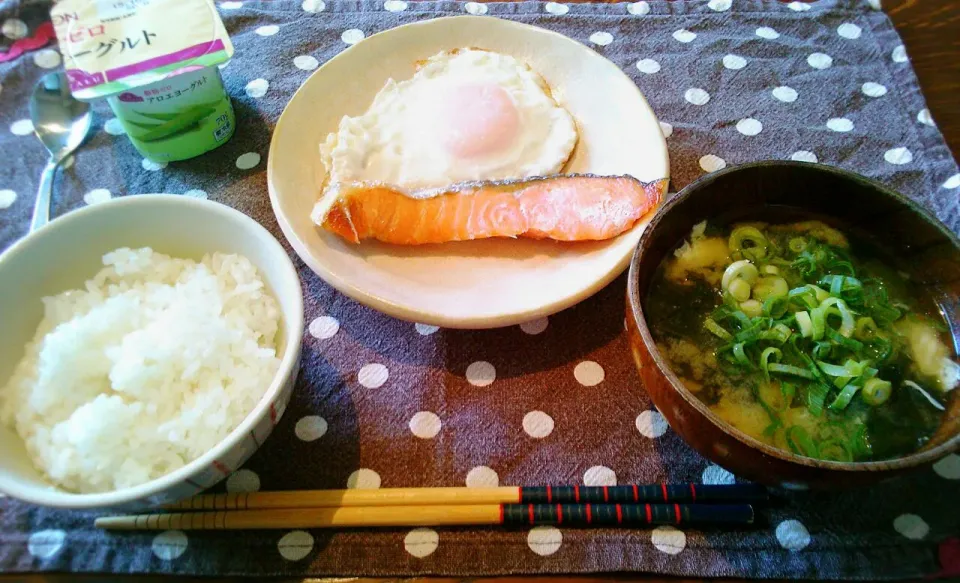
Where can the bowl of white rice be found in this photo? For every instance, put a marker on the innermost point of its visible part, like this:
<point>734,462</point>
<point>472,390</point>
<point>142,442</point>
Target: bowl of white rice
<point>150,345</point>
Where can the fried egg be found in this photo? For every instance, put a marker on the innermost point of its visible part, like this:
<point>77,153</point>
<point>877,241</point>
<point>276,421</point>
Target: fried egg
<point>465,115</point>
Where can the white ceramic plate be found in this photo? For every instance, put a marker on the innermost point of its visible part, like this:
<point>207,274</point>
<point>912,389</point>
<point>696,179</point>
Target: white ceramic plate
<point>476,284</point>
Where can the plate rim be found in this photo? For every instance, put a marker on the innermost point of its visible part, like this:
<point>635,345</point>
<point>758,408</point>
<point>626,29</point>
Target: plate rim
<point>501,319</point>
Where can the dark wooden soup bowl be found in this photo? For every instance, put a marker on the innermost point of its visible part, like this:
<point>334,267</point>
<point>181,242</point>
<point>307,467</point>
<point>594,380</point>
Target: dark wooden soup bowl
<point>924,247</point>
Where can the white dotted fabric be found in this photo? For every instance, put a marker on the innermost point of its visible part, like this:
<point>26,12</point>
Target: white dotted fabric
<point>382,403</point>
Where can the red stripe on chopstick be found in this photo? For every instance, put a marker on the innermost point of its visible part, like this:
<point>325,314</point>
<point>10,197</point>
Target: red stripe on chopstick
<point>559,514</point>
<point>649,516</point>
<point>576,493</point>
<point>589,515</point>
<point>693,492</point>
<point>664,488</point>
<point>676,508</point>
<point>606,494</point>
<point>519,495</point>
<point>619,515</point>
<point>636,494</point>
<point>549,494</point>
<point>530,512</point>
<point>501,514</point>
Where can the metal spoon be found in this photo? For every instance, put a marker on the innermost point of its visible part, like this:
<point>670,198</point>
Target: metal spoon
<point>61,122</point>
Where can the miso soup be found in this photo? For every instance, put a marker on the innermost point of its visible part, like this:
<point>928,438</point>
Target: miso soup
<point>804,337</point>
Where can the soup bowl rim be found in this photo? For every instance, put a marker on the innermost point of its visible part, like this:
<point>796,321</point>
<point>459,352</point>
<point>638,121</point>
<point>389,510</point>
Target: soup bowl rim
<point>702,184</point>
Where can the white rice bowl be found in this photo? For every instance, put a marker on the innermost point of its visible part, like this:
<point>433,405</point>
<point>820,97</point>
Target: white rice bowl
<point>149,366</point>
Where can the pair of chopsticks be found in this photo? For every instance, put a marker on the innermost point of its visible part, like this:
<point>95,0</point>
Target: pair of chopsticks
<point>589,506</point>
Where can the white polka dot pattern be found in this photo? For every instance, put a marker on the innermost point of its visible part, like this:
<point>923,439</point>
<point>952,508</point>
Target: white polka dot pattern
<point>310,428</point>
<point>734,62</point>
<point>475,8</point>
<point>666,129</point>
<point>952,182</point>
<point>638,8</point>
<point>324,327</point>
<point>717,475</point>
<point>599,476</point>
<point>268,30</point>
<point>97,195</point>
<point>257,88</point>
<point>113,127</point>
<point>306,62</point>
<point>648,66</point>
<point>313,6</point>
<point>898,156</point>
<point>421,542</point>
<point>169,545</point>
<point>482,477</point>
<point>394,5</point>
<point>151,166</point>
<point>47,59</point>
<point>544,540</point>
<point>785,94</point>
<point>685,36</point>
<point>243,481</point>
<point>537,424</point>
<point>352,36</point>
<point>248,160</point>
<point>820,61</point>
<point>871,89</point>
<point>849,30</point>
<point>911,526</point>
<point>839,124</point>
<point>373,375</point>
<point>719,5</point>
<point>425,329</point>
<point>7,198</point>
<point>948,467</point>
<point>481,373</point>
<point>14,28</point>
<point>44,544</point>
<point>295,545</point>
<point>696,96</point>
<point>749,126</point>
<point>925,118</point>
<point>601,38</point>
<point>23,127</point>
<point>588,373</point>
<point>804,156</point>
<point>712,163</point>
<point>534,327</point>
<point>651,424</point>
<point>767,33</point>
<point>363,479</point>
<point>425,425</point>
<point>556,8</point>
<point>668,539</point>
<point>792,535</point>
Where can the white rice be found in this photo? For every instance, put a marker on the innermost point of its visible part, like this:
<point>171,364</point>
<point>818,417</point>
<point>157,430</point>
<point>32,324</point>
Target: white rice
<point>146,368</point>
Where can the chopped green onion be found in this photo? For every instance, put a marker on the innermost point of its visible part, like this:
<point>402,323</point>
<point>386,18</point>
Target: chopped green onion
<point>775,306</point>
<point>740,353</point>
<point>765,357</point>
<point>788,390</point>
<point>716,329</point>
<point>848,343</point>
<point>742,269</point>
<point>835,450</point>
<point>800,442</point>
<point>865,327</point>
<point>806,326</point>
<point>841,309</point>
<point>790,370</point>
<point>770,286</point>
<point>771,270</point>
<point>797,244</point>
<point>816,396</point>
<point>843,399</point>
<point>748,242</point>
<point>818,318</point>
<point>876,391</point>
<point>752,308</point>
<point>740,289</point>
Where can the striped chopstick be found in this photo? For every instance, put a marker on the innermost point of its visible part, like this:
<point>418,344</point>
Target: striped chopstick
<point>585,515</point>
<point>629,494</point>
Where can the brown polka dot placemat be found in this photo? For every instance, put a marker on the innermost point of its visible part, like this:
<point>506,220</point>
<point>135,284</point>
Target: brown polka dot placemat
<point>385,403</point>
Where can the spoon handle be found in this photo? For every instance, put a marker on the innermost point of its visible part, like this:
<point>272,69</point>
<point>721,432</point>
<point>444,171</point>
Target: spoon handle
<point>41,210</point>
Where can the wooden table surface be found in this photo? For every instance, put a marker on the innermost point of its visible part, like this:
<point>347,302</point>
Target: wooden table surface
<point>931,33</point>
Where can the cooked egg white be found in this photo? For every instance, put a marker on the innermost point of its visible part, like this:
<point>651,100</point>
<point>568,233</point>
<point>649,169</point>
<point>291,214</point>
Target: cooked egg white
<point>465,115</point>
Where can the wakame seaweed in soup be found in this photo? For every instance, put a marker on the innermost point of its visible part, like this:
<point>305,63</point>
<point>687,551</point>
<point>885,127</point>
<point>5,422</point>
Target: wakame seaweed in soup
<point>804,339</point>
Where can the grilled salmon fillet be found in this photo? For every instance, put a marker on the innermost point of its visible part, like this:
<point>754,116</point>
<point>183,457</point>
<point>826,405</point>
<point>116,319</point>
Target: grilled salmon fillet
<point>562,208</point>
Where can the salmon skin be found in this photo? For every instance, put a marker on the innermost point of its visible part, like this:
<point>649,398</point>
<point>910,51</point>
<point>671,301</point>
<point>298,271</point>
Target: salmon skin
<point>571,207</point>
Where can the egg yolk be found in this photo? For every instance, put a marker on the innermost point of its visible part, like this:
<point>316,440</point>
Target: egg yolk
<point>472,120</point>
